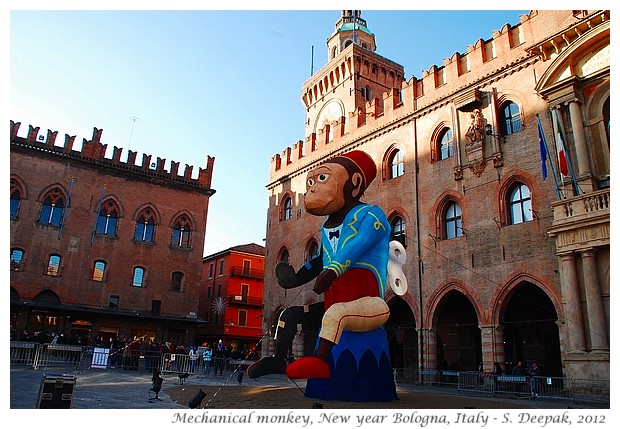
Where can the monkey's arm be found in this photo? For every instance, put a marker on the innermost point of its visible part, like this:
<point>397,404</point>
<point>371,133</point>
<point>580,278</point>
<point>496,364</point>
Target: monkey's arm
<point>288,278</point>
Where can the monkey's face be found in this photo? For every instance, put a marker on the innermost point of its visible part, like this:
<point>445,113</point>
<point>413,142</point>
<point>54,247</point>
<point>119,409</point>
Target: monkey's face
<point>325,189</point>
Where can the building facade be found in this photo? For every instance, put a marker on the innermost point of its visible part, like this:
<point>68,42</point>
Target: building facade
<point>231,292</point>
<point>102,248</point>
<point>504,263</point>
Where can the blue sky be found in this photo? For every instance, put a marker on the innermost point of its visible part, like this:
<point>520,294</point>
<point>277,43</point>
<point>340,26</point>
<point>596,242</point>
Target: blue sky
<point>222,83</point>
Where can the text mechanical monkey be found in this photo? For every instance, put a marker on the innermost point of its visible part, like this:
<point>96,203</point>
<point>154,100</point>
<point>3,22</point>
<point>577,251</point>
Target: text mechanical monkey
<point>351,271</point>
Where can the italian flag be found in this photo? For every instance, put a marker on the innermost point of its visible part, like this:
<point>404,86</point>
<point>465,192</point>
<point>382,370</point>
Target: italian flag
<point>561,147</point>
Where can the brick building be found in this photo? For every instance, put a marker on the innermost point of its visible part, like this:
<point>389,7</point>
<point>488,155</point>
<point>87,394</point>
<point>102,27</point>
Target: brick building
<point>103,247</point>
<point>232,297</point>
<point>502,264</point>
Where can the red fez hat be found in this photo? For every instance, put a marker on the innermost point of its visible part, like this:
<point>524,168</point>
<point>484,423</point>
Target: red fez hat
<point>364,163</point>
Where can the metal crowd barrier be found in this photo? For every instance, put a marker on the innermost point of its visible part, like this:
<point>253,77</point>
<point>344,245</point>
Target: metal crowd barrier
<point>48,355</point>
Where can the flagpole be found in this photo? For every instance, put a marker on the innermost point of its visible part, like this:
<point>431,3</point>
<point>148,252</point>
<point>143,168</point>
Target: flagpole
<point>64,210</point>
<point>92,236</point>
<point>562,137</point>
<point>544,141</point>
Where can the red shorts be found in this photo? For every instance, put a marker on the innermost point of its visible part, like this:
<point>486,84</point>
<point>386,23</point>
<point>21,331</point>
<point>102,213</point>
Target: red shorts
<point>353,284</point>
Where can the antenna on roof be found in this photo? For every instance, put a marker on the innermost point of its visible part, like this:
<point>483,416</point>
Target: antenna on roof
<point>134,119</point>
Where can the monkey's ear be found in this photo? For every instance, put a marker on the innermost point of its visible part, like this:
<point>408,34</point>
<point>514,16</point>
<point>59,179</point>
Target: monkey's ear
<point>358,188</point>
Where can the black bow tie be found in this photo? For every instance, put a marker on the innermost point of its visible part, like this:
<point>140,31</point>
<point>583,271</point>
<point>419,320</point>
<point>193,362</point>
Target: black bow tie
<point>333,234</point>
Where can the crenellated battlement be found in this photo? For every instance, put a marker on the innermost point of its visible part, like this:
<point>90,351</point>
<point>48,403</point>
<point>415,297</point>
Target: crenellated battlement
<point>94,151</point>
<point>456,81</point>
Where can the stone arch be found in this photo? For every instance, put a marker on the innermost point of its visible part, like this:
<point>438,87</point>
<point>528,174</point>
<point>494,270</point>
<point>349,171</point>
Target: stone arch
<point>147,206</point>
<point>435,299</point>
<point>506,185</point>
<point>178,214</point>
<point>16,181</point>
<point>51,188</point>
<point>500,298</point>
<point>437,134</point>
<point>117,201</point>
<point>454,339</point>
<point>436,215</point>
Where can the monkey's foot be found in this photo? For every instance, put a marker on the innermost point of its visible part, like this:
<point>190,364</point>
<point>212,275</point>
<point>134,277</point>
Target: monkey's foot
<point>267,365</point>
<point>308,367</point>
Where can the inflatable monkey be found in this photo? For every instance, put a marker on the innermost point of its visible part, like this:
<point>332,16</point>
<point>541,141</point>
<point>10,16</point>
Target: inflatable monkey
<point>351,271</point>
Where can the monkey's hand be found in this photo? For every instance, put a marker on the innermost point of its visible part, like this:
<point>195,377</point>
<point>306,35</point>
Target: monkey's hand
<point>324,281</point>
<point>285,274</point>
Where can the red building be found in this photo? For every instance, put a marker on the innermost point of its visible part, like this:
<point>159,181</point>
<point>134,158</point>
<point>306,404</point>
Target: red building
<point>232,297</point>
<point>101,247</point>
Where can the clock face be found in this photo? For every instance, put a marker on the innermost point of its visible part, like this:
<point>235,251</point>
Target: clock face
<point>332,111</point>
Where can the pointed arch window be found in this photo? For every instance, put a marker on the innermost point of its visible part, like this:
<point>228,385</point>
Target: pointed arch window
<point>398,230</point>
<point>181,233</point>
<point>145,227</point>
<point>107,219</point>
<point>520,204</point>
<point>445,147</point>
<point>52,208</point>
<point>453,222</point>
<point>287,208</point>
<point>396,164</point>
<point>510,119</point>
<point>16,199</point>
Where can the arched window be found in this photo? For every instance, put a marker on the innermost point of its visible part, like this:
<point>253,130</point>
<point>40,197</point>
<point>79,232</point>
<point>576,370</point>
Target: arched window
<point>138,277</point>
<point>520,204</point>
<point>53,265</point>
<point>453,223</point>
<point>17,257</point>
<point>145,227</point>
<point>52,208</point>
<point>16,197</point>
<point>313,250</point>
<point>99,271</point>
<point>107,219</point>
<point>445,146</point>
<point>367,93</point>
<point>510,119</point>
<point>181,233</point>
<point>287,208</point>
<point>284,256</point>
<point>176,281</point>
<point>398,230</point>
<point>396,164</point>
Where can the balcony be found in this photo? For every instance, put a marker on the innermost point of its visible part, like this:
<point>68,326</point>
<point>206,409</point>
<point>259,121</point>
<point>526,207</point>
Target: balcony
<point>581,222</point>
<point>240,271</point>
<point>245,300</point>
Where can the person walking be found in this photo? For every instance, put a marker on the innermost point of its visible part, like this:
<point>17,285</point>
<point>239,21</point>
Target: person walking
<point>535,372</point>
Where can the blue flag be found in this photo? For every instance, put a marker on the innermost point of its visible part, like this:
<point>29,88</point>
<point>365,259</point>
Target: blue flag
<point>543,149</point>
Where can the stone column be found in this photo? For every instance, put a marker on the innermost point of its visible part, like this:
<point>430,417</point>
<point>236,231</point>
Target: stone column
<point>488,347</point>
<point>579,134</point>
<point>429,355</point>
<point>596,316</point>
<point>572,303</point>
<point>499,355</point>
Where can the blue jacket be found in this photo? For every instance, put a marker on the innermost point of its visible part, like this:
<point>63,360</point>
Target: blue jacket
<point>363,243</point>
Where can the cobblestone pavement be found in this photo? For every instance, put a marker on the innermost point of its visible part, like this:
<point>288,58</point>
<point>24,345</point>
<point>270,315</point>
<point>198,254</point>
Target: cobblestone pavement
<point>123,389</point>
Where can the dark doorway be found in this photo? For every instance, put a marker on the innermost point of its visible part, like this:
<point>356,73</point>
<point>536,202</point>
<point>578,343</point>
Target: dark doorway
<point>459,343</point>
<point>530,329</point>
<point>402,336</point>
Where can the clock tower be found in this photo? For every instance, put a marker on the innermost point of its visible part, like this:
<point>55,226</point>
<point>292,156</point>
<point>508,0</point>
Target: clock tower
<point>353,76</point>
